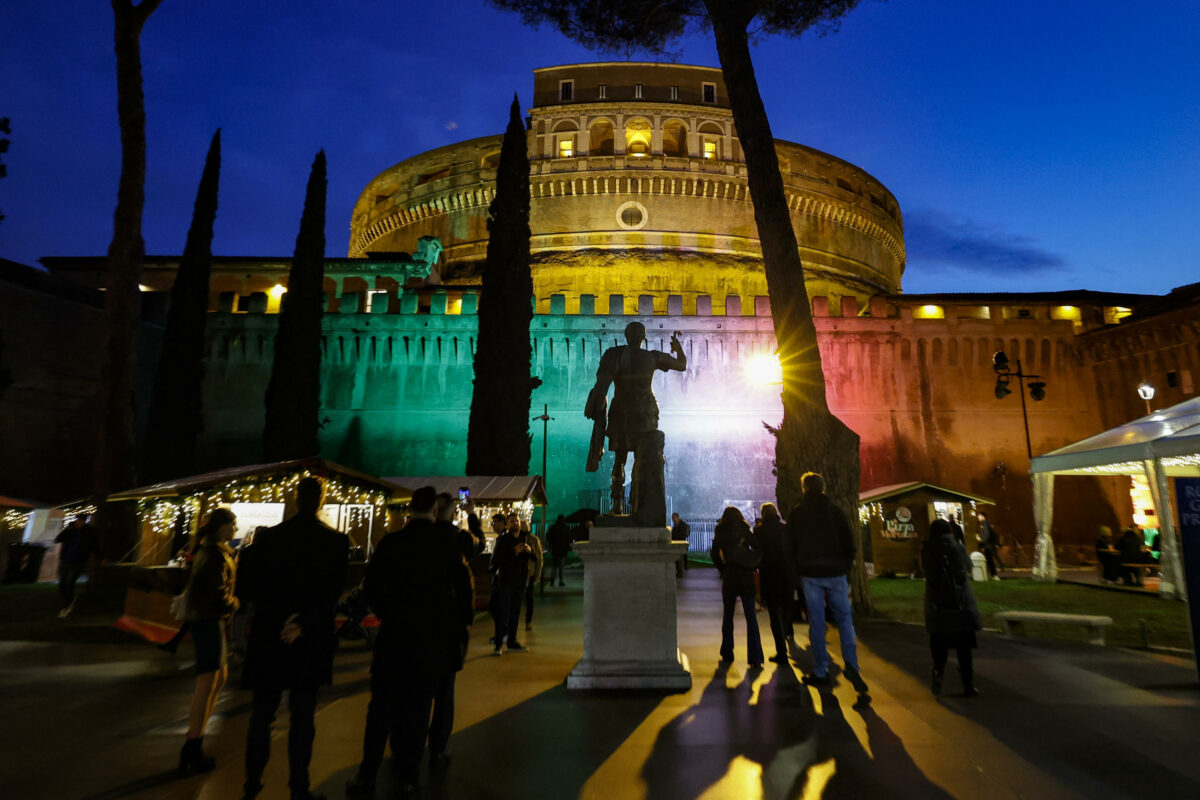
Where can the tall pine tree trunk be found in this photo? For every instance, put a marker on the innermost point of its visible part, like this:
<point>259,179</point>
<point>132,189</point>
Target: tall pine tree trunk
<point>293,401</point>
<point>175,418</point>
<point>498,430</point>
<point>810,438</point>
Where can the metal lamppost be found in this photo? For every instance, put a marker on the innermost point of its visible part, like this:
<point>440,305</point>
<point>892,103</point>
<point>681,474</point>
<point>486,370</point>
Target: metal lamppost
<point>1037,388</point>
<point>545,419</point>
<point>1146,392</point>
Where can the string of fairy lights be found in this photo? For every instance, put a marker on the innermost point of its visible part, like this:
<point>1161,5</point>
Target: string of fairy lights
<point>163,514</point>
<point>874,510</point>
<point>14,519</point>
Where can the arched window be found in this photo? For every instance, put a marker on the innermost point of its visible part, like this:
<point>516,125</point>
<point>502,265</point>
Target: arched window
<point>637,137</point>
<point>674,138</point>
<point>564,139</point>
<point>710,141</point>
<point>602,138</point>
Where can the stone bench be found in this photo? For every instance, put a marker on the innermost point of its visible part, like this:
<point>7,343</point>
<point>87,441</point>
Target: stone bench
<point>1013,621</point>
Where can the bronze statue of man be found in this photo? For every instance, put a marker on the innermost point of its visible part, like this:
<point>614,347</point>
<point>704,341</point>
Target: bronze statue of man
<point>632,423</point>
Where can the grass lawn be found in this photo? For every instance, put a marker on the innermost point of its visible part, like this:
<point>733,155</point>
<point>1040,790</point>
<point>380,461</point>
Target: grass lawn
<point>1167,620</point>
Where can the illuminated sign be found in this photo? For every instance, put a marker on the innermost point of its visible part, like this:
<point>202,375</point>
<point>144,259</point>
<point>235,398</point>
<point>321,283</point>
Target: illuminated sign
<point>900,525</point>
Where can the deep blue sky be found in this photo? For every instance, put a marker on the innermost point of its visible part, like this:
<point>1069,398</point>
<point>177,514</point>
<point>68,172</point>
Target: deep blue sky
<point>1032,144</point>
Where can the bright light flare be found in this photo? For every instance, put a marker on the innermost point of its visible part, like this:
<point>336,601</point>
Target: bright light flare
<point>277,290</point>
<point>763,369</point>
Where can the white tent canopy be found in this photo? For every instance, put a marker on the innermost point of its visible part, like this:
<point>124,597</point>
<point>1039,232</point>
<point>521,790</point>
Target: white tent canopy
<point>1160,445</point>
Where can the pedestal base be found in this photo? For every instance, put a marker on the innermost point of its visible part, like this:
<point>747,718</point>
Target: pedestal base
<point>630,638</point>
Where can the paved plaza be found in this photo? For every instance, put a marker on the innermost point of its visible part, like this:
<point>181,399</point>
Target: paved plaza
<point>1053,720</point>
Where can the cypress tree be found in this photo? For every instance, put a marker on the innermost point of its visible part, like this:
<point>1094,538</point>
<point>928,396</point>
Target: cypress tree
<point>293,401</point>
<point>175,418</point>
<point>498,432</point>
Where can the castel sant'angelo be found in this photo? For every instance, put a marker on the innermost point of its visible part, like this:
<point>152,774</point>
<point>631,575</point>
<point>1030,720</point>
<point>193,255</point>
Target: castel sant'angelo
<point>640,210</point>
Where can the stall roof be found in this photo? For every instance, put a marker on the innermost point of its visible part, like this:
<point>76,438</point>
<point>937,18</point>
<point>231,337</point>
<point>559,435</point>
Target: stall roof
<point>13,502</point>
<point>317,466</point>
<point>1172,435</point>
<point>484,488</point>
<point>884,492</point>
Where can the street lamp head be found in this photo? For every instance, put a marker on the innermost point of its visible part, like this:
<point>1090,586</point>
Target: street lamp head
<point>1037,390</point>
<point>1145,391</point>
<point>1002,390</point>
<point>1000,362</point>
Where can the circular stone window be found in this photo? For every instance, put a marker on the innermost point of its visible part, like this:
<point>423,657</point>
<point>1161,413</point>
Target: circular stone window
<point>631,216</point>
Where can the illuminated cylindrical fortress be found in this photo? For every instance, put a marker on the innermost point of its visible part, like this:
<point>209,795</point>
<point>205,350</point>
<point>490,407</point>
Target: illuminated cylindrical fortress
<point>639,186</point>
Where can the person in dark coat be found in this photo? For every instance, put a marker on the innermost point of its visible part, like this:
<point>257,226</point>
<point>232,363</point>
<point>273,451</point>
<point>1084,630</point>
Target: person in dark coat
<point>558,538</point>
<point>79,544</point>
<point>824,555</point>
<point>951,615</point>
<point>1131,548</point>
<point>1107,555</point>
<point>989,545</point>
<point>209,603</point>
<point>735,553</point>
<point>509,565</point>
<point>777,577</point>
<point>421,590</point>
<point>680,532</point>
<point>293,574</point>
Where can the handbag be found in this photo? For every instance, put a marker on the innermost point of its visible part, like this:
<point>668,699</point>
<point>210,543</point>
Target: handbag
<point>745,554</point>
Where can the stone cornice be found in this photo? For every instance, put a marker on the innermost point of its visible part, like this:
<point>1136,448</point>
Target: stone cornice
<point>633,182</point>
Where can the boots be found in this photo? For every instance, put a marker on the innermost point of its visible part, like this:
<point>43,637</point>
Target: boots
<point>192,760</point>
<point>935,682</point>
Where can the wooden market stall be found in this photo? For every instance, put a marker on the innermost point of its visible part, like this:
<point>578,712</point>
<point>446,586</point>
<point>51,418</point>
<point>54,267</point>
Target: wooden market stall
<point>898,518</point>
<point>260,495</point>
<point>491,495</point>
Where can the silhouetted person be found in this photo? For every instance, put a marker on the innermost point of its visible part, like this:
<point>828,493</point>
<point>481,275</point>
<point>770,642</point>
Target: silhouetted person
<point>989,545</point>
<point>736,555</point>
<point>294,574</point>
<point>824,555</point>
<point>1107,555</point>
<point>951,615</point>
<point>1132,549</point>
<point>533,574</point>
<point>209,602</point>
<point>558,539</point>
<point>680,532</point>
<point>777,577</point>
<point>420,587</point>
<point>78,540</point>
<point>508,566</point>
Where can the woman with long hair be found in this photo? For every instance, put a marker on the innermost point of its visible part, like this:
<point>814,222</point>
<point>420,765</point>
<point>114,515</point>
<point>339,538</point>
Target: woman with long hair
<point>209,602</point>
<point>951,615</point>
<point>736,555</point>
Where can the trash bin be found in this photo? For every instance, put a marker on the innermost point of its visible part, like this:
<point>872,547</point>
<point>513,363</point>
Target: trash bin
<point>24,563</point>
<point>978,567</point>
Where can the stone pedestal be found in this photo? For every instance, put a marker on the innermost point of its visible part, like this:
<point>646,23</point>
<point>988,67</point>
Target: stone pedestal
<point>630,640</point>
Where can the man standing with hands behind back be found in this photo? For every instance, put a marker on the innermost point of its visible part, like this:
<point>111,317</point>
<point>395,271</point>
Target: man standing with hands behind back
<point>421,589</point>
<point>293,574</point>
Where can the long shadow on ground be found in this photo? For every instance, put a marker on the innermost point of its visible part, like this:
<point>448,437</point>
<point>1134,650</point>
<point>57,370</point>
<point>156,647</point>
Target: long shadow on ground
<point>547,746</point>
<point>1095,728</point>
<point>786,739</point>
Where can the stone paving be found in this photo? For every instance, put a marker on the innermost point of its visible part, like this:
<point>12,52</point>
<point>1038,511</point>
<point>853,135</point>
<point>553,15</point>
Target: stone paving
<point>1053,720</point>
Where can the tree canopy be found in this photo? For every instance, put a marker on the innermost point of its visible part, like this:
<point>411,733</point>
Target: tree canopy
<point>621,26</point>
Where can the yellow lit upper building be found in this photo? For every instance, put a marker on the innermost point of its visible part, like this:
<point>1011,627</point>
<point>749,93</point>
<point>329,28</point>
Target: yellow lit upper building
<point>639,186</point>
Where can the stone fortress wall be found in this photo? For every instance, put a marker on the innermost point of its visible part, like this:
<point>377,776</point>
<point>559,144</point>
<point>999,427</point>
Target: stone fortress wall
<point>913,379</point>
<point>626,180</point>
